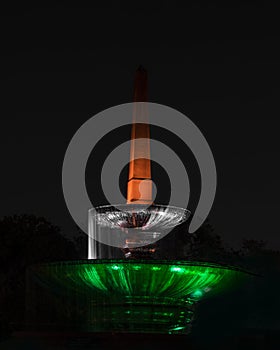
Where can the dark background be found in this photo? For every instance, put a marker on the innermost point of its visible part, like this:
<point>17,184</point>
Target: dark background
<point>216,62</point>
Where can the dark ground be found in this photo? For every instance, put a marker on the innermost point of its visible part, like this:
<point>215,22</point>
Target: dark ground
<point>252,340</point>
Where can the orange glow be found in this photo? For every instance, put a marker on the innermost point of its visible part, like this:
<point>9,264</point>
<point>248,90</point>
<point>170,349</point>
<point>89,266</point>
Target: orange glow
<point>139,186</point>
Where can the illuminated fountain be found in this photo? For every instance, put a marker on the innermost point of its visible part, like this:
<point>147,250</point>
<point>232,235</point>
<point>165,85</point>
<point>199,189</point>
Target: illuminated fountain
<point>126,285</point>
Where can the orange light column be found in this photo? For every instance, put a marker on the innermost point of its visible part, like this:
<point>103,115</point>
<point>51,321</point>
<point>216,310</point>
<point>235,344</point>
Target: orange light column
<point>139,186</point>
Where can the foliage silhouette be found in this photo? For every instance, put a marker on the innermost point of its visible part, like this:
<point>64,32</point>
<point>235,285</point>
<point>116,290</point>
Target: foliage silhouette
<point>25,240</point>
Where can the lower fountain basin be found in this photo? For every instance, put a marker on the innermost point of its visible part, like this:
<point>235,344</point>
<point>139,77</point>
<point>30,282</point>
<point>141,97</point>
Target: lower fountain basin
<point>143,296</point>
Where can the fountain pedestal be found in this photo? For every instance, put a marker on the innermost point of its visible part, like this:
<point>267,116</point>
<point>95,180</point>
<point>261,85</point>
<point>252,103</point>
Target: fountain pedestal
<point>124,296</point>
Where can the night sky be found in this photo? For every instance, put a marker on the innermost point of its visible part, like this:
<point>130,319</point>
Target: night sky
<point>217,64</point>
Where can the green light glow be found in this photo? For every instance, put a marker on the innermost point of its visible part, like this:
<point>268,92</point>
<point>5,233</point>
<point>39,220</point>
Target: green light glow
<point>141,278</point>
<point>197,294</point>
<point>140,295</point>
<point>176,269</point>
<point>177,328</point>
<point>156,268</point>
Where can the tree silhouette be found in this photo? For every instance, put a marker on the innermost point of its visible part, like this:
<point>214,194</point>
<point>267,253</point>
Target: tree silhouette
<point>26,240</point>
<point>203,245</point>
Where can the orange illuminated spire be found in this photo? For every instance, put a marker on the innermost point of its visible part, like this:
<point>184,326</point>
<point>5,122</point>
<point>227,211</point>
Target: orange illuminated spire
<point>139,186</point>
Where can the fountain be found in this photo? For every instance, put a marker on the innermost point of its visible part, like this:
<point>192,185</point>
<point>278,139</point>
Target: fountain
<point>126,285</point>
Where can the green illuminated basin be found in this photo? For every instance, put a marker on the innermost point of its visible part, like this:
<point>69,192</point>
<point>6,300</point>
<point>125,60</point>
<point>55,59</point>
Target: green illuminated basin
<point>156,296</point>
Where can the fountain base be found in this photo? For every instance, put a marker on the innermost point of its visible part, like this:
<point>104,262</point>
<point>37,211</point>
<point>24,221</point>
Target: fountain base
<point>123,296</point>
<point>142,315</point>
